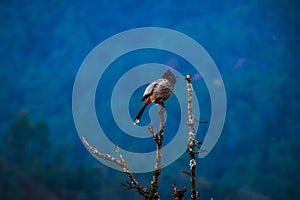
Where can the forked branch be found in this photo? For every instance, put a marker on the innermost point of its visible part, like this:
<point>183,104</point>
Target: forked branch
<point>152,193</point>
<point>133,183</point>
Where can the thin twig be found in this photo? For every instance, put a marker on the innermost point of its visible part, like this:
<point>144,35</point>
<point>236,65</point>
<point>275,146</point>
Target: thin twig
<point>200,121</point>
<point>104,156</point>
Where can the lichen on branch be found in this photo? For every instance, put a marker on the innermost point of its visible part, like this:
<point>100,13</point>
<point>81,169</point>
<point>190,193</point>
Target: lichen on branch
<point>191,140</point>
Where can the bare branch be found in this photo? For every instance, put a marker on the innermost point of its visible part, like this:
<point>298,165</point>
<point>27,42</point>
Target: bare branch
<point>159,142</point>
<point>201,122</point>
<point>103,156</point>
<point>150,129</point>
<point>122,163</point>
<point>152,193</point>
<point>191,141</point>
<point>178,193</point>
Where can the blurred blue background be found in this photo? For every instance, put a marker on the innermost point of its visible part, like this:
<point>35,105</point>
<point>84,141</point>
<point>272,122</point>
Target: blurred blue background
<point>254,43</point>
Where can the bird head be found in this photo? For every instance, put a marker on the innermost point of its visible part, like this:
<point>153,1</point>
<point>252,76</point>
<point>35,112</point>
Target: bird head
<point>170,76</point>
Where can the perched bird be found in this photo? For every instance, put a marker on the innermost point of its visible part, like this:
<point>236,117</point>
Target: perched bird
<point>157,92</point>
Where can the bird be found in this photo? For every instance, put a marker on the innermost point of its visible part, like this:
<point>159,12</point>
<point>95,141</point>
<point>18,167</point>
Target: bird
<point>157,92</point>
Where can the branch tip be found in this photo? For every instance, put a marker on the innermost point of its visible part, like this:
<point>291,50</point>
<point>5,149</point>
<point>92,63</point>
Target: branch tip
<point>188,78</point>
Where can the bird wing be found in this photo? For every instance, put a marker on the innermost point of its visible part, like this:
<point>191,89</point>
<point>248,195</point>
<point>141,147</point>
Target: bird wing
<point>149,90</point>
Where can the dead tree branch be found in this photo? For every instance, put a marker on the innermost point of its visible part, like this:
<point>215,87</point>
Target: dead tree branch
<point>178,193</point>
<point>133,183</point>
<point>152,193</point>
<point>159,145</point>
<point>191,141</point>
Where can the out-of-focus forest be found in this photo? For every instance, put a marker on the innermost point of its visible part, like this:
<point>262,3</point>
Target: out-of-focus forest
<point>255,44</point>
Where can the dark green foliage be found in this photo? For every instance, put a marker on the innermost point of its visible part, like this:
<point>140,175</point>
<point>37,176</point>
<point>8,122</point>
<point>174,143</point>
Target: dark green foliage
<point>29,168</point>
<point>25,142</point>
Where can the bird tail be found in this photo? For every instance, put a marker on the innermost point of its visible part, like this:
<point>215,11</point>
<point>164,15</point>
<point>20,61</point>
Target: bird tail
<point>138,116</point>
